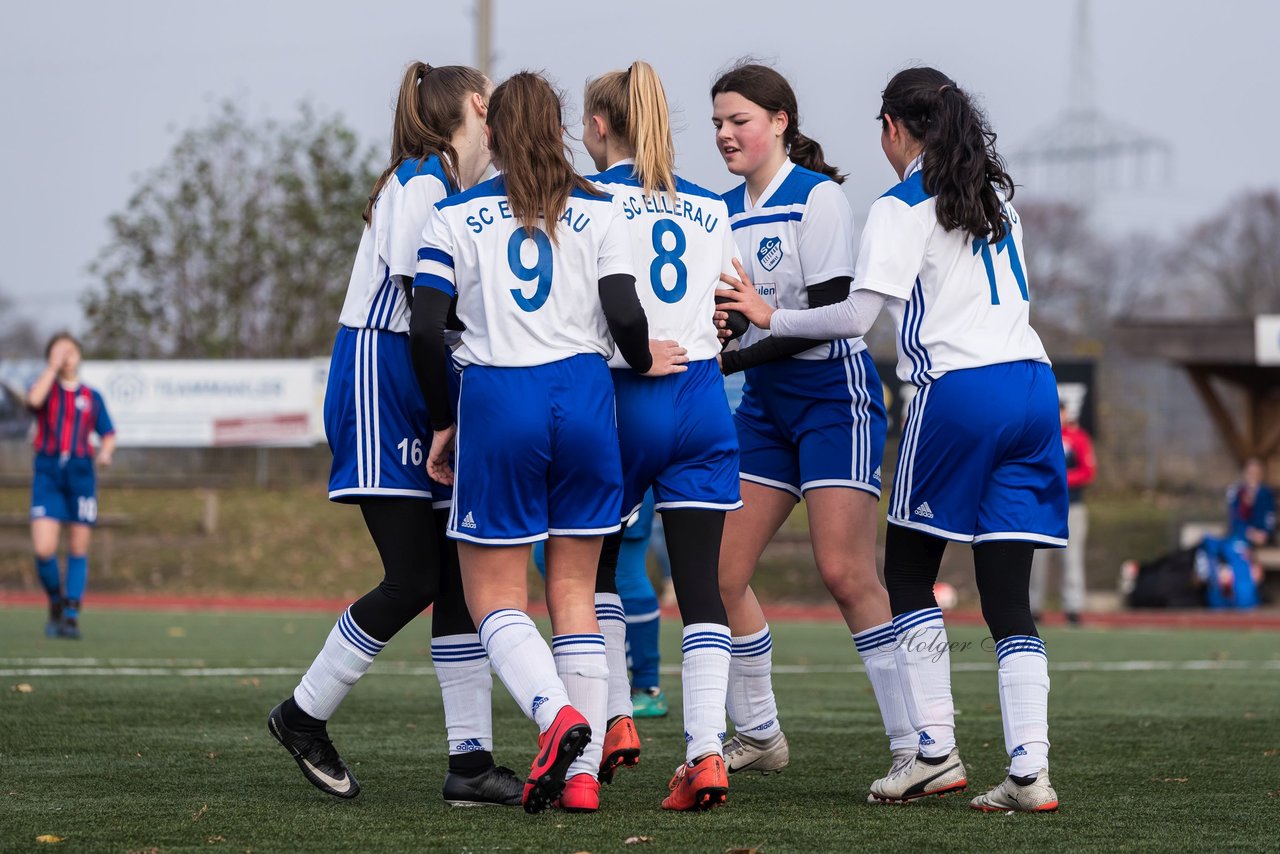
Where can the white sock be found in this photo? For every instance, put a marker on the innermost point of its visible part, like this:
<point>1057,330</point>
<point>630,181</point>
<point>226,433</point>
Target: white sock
<point>344,658</point>
<point>613,625</point>
<point>1024,703</point>
<point>876,645</point>
<point>462,666</point>
<point>924,667</point>
<point>524,664</point>
<point>751,703</point>
<point>705,674</point>
<point>584,670</point>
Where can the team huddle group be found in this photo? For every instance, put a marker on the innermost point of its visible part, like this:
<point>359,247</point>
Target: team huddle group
<point>522,358</point>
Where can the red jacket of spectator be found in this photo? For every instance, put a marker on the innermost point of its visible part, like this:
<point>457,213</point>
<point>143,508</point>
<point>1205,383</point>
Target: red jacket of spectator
<point>1081,466</point>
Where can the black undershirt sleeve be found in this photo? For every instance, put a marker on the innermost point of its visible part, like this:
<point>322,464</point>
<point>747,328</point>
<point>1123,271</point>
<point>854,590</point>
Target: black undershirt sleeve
<point>738,324</point>
<point>430,353</point>
<point>773,348</point>
<point>626,318</point>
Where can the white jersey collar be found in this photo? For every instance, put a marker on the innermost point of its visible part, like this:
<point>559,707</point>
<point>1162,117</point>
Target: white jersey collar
<point>626,161</point>
<point>913,167</point>
<point>781,175</point>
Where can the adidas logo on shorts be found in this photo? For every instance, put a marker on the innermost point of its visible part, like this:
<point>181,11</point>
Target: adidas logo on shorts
<point>923,511</point>
<point>469,521</point>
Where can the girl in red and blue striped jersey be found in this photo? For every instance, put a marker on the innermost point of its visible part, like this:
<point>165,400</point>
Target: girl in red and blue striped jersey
<point>64,490</point>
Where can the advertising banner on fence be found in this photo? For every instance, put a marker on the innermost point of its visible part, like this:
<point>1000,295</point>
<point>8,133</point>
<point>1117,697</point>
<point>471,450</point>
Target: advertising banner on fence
<point>202,404</point>
<point>190,404</point>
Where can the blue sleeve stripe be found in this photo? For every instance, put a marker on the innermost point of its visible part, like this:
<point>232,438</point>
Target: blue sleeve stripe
<point>430,280</point>
<point>426,253</point>
<point>761,220</point>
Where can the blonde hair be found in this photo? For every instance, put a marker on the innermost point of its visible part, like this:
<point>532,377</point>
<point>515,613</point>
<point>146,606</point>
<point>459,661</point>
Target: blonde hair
<point>634,103</point>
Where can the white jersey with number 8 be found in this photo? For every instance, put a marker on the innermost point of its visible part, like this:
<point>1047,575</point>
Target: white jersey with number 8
<point>680,244</point>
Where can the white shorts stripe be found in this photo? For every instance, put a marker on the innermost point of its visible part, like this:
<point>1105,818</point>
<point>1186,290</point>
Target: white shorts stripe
<point>358,374</point>
<point>776,484</point>
<point>376,455</point>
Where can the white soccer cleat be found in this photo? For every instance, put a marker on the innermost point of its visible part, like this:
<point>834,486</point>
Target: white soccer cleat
<point>919,779</point>
<point>744,753</point>
<point>1036,796</point>
<point>901,758</point>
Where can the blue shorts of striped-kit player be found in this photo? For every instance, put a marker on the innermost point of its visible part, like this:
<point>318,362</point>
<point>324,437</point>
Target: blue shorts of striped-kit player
<point>537,453</point>
<point>64,489</point>
<point>442,494</point>
<point>375,418</point>
<point>981,457</point>
<point>676,434</point>
<point>807,424</point>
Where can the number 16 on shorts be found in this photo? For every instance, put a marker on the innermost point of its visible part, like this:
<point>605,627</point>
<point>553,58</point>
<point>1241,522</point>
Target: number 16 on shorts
<point>410,452</point>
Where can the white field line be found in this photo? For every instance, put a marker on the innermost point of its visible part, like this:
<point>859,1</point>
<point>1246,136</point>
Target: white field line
<point>137,667</point>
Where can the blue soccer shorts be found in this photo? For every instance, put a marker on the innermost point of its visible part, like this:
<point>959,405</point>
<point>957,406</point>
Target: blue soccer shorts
<point>981,457</point>
<point>677,436</point>
<point>66,490</point>
<point>537,453</point>
<point>375,418</point>
<point>806,424</point>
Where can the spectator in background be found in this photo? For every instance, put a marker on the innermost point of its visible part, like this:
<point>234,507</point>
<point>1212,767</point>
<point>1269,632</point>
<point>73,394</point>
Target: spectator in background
<point>64,490</point>
<point>1078,447</point>
<point>1251,507</point>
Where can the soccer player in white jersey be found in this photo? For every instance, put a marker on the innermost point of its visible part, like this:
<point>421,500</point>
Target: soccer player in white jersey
<point>812,421</point>
<point>981,458</point>
<point>676,432</point>
<point>541,266</point>
<point>376,423</point>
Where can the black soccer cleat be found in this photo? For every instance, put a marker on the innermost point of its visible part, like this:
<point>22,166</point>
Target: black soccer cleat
<point>495,786</point>
<point>316,756</point>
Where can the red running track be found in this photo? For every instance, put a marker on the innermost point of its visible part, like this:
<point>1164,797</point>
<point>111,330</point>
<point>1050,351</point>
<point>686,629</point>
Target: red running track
<point>1266,619</point>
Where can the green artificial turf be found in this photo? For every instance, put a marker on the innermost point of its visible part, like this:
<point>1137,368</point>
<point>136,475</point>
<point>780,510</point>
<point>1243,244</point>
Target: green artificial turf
<point>158,756</point>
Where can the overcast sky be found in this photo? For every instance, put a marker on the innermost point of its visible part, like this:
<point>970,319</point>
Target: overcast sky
<point>92,95</point>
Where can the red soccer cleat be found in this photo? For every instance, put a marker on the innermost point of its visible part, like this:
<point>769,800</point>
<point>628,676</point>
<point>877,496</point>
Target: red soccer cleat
<point>621,747</point>
<point>563,742</point>
<point>700,786</point>
<point>581,794</point>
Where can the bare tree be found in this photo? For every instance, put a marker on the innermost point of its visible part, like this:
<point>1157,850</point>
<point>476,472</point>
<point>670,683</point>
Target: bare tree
<point>239,245</point>
<point>1236,253</point>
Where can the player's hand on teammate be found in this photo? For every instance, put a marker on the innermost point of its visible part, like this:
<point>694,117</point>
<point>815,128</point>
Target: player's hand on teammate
<point>744,299</point>
<point>668,358</point>
<point>438,465</point>
<point>721,319</point>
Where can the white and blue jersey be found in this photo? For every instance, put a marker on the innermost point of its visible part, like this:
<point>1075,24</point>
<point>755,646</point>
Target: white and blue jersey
<point>797,234</point>
<point>981,453</point>
<point>374,415</point>
<point>816,419</point>
<point>676,432</point>
<point>537,443</point>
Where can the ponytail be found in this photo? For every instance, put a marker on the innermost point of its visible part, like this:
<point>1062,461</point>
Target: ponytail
<point>961,165</point>
<point>634,103</point>
<point>527,138</point>
<point>768,89</point>
<point>429,109</point>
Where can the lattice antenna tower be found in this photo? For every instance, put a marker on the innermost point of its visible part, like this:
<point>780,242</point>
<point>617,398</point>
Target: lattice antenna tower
<point>1083,154</point>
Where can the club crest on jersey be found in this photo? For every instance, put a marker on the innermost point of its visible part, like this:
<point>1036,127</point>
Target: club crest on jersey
<point>770,252</point>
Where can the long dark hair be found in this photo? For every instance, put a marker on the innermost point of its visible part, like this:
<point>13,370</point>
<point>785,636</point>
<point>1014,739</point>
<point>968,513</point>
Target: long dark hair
<point>527,137</point>
<point>765,87</point>
<point>428,111</point>
<point>961,165</point>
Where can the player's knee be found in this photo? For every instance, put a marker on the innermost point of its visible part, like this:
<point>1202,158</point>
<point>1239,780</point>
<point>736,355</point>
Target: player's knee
<point>46,553</point>
<point>847,582</point>
<point>1007,614</point>
<point>412,593</point>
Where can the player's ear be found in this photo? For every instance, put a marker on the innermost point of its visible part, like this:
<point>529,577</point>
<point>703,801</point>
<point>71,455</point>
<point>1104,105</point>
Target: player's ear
<point>891,128</point>
<point>781,121</point>
<point>601,129</point>
<point>480,104</point>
